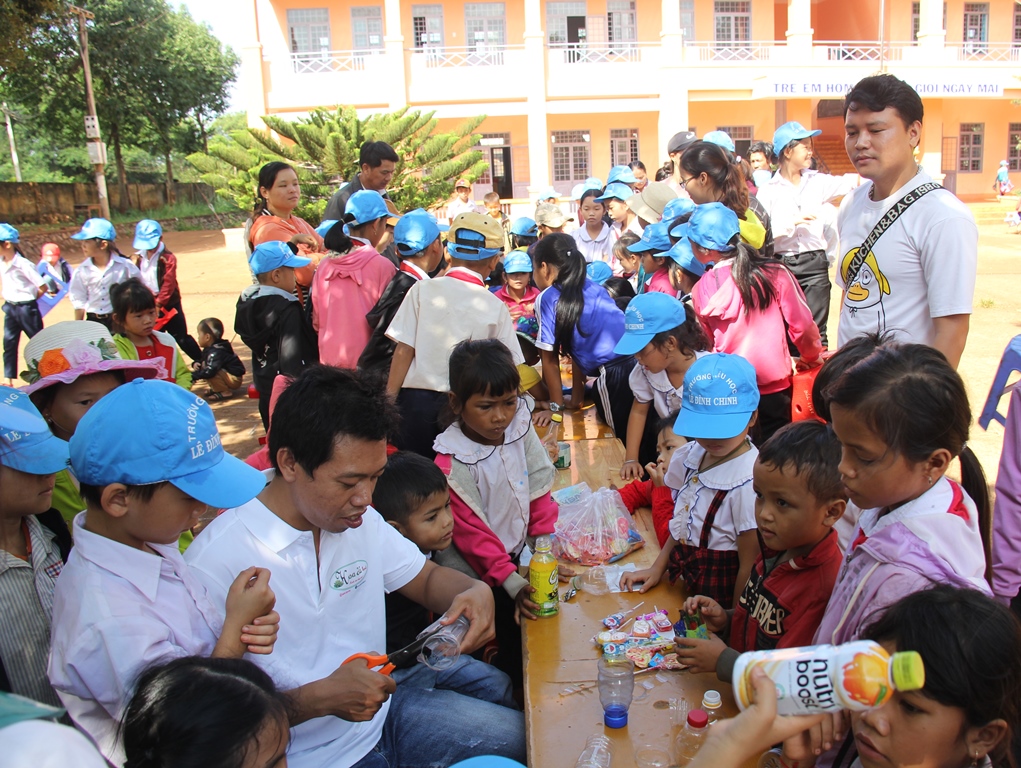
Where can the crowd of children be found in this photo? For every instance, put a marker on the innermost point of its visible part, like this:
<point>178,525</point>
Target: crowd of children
<point>412,409</point>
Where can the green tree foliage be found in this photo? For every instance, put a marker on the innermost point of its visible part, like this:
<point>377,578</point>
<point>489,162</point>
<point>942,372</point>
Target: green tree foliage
<point>323,148</point>
<point>19,20</point>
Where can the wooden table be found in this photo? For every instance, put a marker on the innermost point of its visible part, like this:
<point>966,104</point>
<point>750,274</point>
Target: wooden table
<point>559,651</point>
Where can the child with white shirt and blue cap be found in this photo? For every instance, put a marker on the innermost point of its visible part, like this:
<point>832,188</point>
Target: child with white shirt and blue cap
<point>149,459</point>
<point>22,285</point>
<point>350,280</point>
<point>713,542</point>
<point>104,266</point>
<point>34,543</point>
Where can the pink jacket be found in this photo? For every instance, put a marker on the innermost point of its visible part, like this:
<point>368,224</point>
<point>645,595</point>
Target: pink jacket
<point>660,283</point>
<point>344,289</point>
<point>759,336</point>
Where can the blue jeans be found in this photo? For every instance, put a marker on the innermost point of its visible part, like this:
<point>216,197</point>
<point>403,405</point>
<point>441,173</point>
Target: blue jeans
<point>440,718</point>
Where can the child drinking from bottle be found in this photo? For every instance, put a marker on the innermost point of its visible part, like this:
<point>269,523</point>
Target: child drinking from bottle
<point>713,542</point>
<point>500,477</point>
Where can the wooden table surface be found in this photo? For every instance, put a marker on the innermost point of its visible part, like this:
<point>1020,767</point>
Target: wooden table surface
<point>558,651</point>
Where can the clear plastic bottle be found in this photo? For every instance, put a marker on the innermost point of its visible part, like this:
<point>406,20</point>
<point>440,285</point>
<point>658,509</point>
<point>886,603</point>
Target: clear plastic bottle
<point>616,689</point>
<point>825,678</point>
<point>597,753</point>
<point>712,704</point>
<point>443,649</point>
<point>592,581</point>
<point>690,738</point>
<point>542,575</point>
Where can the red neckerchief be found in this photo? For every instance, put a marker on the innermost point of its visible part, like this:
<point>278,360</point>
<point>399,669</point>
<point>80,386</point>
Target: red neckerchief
<point>465,275</point>
<point>415,272</point>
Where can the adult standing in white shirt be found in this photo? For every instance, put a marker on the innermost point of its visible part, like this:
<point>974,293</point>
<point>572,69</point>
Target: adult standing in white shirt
<point>334,559</point>
<point>794,198</point>
<point>918,281</point>
<point>103,268</point>
<point>22,285</point>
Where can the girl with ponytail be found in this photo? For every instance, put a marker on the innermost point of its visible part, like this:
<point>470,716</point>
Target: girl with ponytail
<point>709,176</point>
<point>578,318</point>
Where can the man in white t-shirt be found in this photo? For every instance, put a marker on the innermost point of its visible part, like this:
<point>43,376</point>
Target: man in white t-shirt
<point>334,559</point>
<point>919,279</point>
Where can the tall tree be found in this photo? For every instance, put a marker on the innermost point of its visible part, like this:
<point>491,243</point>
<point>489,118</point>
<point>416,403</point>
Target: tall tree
<point>20,20</point>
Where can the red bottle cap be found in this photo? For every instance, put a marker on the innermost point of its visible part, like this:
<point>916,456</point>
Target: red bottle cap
<point>697,718</point>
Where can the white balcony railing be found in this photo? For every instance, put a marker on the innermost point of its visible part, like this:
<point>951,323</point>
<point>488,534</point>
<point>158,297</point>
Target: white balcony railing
<point>598,53</point>
<point>331,61</point>
<point>1009,52</point>
<point>734,50</point>
<point>474,56</point>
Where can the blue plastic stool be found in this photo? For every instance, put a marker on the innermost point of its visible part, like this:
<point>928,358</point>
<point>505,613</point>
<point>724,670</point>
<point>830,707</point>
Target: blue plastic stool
<point>1010,362</point>
<point>488,761</point>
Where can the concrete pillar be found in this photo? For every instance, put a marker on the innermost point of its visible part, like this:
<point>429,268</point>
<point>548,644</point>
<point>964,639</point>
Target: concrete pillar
<point>930,24</point>
<point>539,171</point>
<point>931,146</point>
<point>673,114</point>
<point>393,43</point>
<point>250,77</point>
<point>799,25</point>
<point>673,93</point>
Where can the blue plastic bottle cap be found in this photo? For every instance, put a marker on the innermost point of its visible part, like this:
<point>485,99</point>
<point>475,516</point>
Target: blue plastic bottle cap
<point>615,716</point>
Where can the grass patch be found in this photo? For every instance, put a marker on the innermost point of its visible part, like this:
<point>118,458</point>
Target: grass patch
<point>987,303</point>
<point>177,211</point>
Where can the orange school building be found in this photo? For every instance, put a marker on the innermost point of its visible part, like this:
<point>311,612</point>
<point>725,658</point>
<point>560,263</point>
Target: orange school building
<point>572,87</point>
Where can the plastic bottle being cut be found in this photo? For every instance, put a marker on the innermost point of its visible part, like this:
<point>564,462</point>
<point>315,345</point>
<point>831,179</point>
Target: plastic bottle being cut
<point>443,649</point>
<point>825,678</point>
<point>691,737</point>
<point>616,689</point>
<point>542,575</point>
<point>597,753</point>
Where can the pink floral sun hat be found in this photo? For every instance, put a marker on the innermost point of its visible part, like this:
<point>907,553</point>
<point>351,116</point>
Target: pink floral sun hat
<point>60,353</point>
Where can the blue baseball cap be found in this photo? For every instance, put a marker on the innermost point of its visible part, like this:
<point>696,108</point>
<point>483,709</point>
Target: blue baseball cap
<point>273,255</point>
<point>524,227</point>
<point>547,193</point>
<point>622,174</point>
<point>655,237</point>
<point>590,183</point>
<point>517,261</point>
<point>646,315</point>
<point>720,396</point>
<point>147,235</point>
<point>677,208</point>
<point>96,229</point>
<point>8,233</point>
<point>415,232</point>
<point>720,139</point>
<point>593,183</point>
<point>599,272</point>
<point>467,238</point>
<point>788,132</point>
<point>616,191</point>
<point>26,443</point>
<point>147,432</point>
<point>681,252</point>
<point>367,205</point>
<point>713,226</point>
<point>324,226</point>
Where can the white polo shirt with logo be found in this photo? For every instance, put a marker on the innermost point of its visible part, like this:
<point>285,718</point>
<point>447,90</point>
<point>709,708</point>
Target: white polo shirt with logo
<point>326,614</point>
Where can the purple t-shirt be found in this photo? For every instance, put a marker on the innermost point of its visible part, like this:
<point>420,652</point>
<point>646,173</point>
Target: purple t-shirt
<point>602,325</point>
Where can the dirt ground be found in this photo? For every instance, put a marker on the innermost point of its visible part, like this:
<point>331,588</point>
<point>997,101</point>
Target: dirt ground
<point>211,276</point>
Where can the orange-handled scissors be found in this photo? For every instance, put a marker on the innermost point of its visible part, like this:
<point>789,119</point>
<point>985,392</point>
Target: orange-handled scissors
<point>405,657</point>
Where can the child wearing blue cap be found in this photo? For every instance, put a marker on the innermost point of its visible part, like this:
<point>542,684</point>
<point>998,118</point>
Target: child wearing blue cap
<point>593,237</point>
<point>89,290</point>
<point>749,306</point>
<point>518,293</point>
<point>615,198</point>
<point>418,244</point>
<point>34,544</point>
<point>135,315</point>
<point>149,459</point>
<point>524,232</point>
<point>713,543</point>
<point>271,322</point>
<point>158,266</point>
<point>436,315</point>
<point>22,285</point>
<point>350,280</point>
<point>665,337</point>
<point>652,248</point>
<point>685,269</point>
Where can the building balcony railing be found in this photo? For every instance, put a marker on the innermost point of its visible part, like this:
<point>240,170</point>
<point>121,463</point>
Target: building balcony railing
<point>597,53</point>
<point>473,56</point>
<point>331,61</point>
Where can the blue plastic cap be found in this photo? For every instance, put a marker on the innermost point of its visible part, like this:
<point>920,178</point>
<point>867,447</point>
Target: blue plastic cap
<point>615,716</point>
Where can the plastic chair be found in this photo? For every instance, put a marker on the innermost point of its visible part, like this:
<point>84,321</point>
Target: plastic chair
<point>1010,362</point>
<point>488,761</point>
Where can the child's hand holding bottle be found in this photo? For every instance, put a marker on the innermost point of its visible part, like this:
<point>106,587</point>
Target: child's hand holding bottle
<point>713,614</point>
<point>523,605</point>
<point>250,623</point>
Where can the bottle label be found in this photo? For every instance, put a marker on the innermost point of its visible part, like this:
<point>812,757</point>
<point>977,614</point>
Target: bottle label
<point>543,578</point>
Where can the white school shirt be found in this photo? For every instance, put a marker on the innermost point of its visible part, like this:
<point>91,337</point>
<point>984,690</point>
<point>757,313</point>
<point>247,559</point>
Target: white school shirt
<point>501,474</point>
<point>457,207</point>
<point>694,492</point>
<point>116,611</point>
<point>656,388</point>
<point>90,285</point>
<point>926,263</point>
<point>786,203</point>
<point>598,249</point>
<point>329,611</point>
<point>148,265</point>
<point>437,314</point>
<point>21,281</point>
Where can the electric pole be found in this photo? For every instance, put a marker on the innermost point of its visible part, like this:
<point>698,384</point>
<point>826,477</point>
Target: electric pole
<point>10,137</point>
<point>95,145</point>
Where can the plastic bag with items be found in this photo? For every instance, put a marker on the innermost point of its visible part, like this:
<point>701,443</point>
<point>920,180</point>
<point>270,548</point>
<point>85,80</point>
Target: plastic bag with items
<point>594,527</point>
